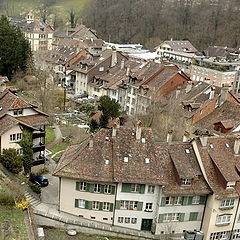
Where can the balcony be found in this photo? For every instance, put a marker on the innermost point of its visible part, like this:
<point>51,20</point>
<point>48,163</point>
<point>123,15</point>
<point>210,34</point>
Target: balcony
<point>38,148</point>
<point>38,135</point>
<point>38,161</point>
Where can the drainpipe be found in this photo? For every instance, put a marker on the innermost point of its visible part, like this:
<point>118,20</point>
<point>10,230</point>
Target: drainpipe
<point>204,210</point>
<point>235,218</point>
<point>59,186</point>
<point>114,208</point>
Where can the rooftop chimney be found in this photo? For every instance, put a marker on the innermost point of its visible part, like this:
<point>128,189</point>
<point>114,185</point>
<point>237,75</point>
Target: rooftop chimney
<point>169,136</point>
<point>237,145</point>
<point>122,64</point>
<point>212,93</point>
<point>186,136</point>
<point>189,86</point>
<point>204,139</point>
<point>128,71</point>
<point>91,141</point>
<point>139,130</point>
<point>224,93</point>
<point>114,130</point>
<point>114,57</point>
<point>177,92</point>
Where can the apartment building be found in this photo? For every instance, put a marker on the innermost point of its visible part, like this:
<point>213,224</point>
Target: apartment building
<point>15,114</point>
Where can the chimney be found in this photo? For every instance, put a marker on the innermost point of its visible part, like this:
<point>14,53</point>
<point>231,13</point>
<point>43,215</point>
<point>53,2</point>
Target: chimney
<point>91,141</point>
<point>128,71</point>
<point>114,57</point>
<point>189,86</point>
<point>114,130</point>
<point>186,136</point>
<point>237,145</point>
<point>122,64</point>
<point>212,93</point>
<point>177,92</point>
<point>204,139</point>
<point>224,93</point>
<point>139,130</point>
<point>169,136</point>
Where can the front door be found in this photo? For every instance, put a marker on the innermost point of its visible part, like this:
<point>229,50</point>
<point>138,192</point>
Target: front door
<point>146,224</point>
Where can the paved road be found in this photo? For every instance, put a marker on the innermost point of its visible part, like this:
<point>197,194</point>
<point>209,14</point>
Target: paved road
<point>58,136</point>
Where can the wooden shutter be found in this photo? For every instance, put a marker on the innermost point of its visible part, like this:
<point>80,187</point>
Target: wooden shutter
<point>76,202</point>
<point>90,205</point>
<point>102,188</point>
<point>87,204</point>
<point>139,206</point>
<point>111,207</point>
<point>181,217</point>
<point>190,198</point>
<point>163,201</point>
<point>117,204</point>
<point>126,187</point>
<point>77,186</point>
<point>90,187</point>
<point>100,205</point>
<point>160,218</point>
<point>185,200</point>
<point>193,216</point>
<point>142,189</point>
<point>113,190</point>
<point>202,200</point>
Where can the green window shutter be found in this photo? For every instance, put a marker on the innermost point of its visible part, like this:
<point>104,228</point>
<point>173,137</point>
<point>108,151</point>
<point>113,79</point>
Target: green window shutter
<point>202,200</point>
<point>90,205</point>
<point>139,206</point>
<point>76,202</point>
<point>77,185</point>
<point>181,217</point>
<point>193,216</point>
<point>117,204</point>
<point>185,200</point>
<point>113,190</point>
<point>163,201</point>
<point>90,187</point>
<point>126,187</point>
<point>100,205</point>
<point>142,188</point>
<point>160,218</point>
<point>111,207</point>
<point>190,200</point>
<point>87,204</point>
<point>102,188</point>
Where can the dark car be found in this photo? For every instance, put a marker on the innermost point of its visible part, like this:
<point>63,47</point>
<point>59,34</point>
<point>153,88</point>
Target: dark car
<point>40,181</point>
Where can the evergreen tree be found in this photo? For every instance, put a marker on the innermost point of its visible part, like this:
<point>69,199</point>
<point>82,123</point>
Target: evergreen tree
<point>15,51</point>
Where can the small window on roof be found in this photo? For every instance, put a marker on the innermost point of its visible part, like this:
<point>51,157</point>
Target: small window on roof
<point>227,145</point>
<point>125,159</point>
<point>210,145</point>
<point>187,150</point>
<point>106,161</point>
<point>107,138</point>
<point>147,160</point>
<point>143,140</point>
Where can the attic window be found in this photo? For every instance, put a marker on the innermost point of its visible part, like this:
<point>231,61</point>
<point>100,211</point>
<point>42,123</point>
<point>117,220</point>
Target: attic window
<point>143,140</point>
<point>106,162</point>
<point>187,150</point>
<point>125,159</point>
<point>107,138</point>
<point>147,160</point>
<point>133,133</point>
<point>101,69</point>
<point>210,145</point>
<point>1,108</point>
<point>227,145</point>
<point>186,181</point>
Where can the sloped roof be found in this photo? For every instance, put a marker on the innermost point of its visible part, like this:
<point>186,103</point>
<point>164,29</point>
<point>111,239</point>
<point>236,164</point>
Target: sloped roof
<point>181,46</point>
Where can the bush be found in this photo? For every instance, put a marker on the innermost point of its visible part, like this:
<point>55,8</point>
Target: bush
<point>34,188</point>
<point>7,198</point>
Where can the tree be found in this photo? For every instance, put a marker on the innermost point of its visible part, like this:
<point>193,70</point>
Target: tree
<point>27,143</point>
<point>15,50</point>
<point>11,160</point>
<point>93,125</point>
<point>87,108</point>
<point>72,18</point>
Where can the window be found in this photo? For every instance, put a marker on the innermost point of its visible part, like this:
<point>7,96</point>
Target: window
<point>135,187</point>
<point>148,207</point>
<point>15,137</point>
<point>107,189</point>
<point>95,205</point>
<point>106,206</point>
<point>127,219</point>
<point>80,203</point>
<point>97,188</point>
<point>19,151</point>
<point>101,69</point>
<point>227,203</point>
<point>17,112</point>
<point>82,186</point>
<point>120,219</point>
<point>223,219</point>
<point>196,200</point>
<point>128,205</point>
<point>151,189</point>
<point>177,200</point>
<point>125,159</point>
<point>173,200</point>
<point>134,220</point>
<point>220,235</point>
<point>186,181</point>
<point>171,217</point>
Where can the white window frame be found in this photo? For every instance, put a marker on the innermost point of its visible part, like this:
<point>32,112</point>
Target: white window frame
<point>151,189</point>
<point>223,219</point>
<point>106,206</point>
<point>171,217</point>
<point>95,205</point>
<point>227,203</point>
<point>81,203</point>
<point>149,207</point>
<point>134,220</point>
<point>107,189</point>
<point>127,219</point>
<point>128,205</point>
<point>97,188</point>
<point>19,151</point>
<point>178,200</point>
<point>196,200</point>
<point>120,219</point>
<point>186,181</point>
<point>82,186</point>
<point>135,187</point>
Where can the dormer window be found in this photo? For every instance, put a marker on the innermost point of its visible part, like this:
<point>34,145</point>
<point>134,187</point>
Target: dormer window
<point>125,159</point>
<point>17,112</point>
<point>101,69</point>
<point>147,160</point>
<point>186,181</point>
<point>187,150</point>
<point>231,185</point>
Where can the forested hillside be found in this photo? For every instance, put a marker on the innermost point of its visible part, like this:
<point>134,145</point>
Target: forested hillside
<point>203,22</point>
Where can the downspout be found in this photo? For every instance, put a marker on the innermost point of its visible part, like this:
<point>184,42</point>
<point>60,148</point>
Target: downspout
<point>235,218</point>
<point>60,181</point>
<point>204,210</point>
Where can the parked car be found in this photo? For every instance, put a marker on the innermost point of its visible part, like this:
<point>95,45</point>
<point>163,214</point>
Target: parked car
<point>40,181</point>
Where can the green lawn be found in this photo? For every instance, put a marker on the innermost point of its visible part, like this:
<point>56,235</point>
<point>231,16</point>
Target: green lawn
<point>50,135</point>
<point>59,147</point>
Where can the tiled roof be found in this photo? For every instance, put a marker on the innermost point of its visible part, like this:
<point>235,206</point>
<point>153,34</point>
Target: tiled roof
<point>181,46</point>
<point>34,120</point>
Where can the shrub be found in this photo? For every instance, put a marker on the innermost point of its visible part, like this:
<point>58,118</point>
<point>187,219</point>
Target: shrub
<point>34,188</point>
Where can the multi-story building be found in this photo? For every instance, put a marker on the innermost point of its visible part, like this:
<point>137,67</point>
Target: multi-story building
<point>15,114</point>
<point>39,34</point>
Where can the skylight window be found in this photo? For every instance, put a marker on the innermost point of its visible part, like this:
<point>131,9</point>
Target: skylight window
<point>107,138</point>
<point>143,140</point>
<point>187,150</point>
<point>125,159</point>
<point>227,145</point>
<point>106,162</point>
<point>147,160</point>
<point>210,145</point>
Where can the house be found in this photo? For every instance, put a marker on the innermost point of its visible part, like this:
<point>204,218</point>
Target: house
<point>219,158</point>
<point>15,114</point>
<point>119,176</point>
<point>39,34</point>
